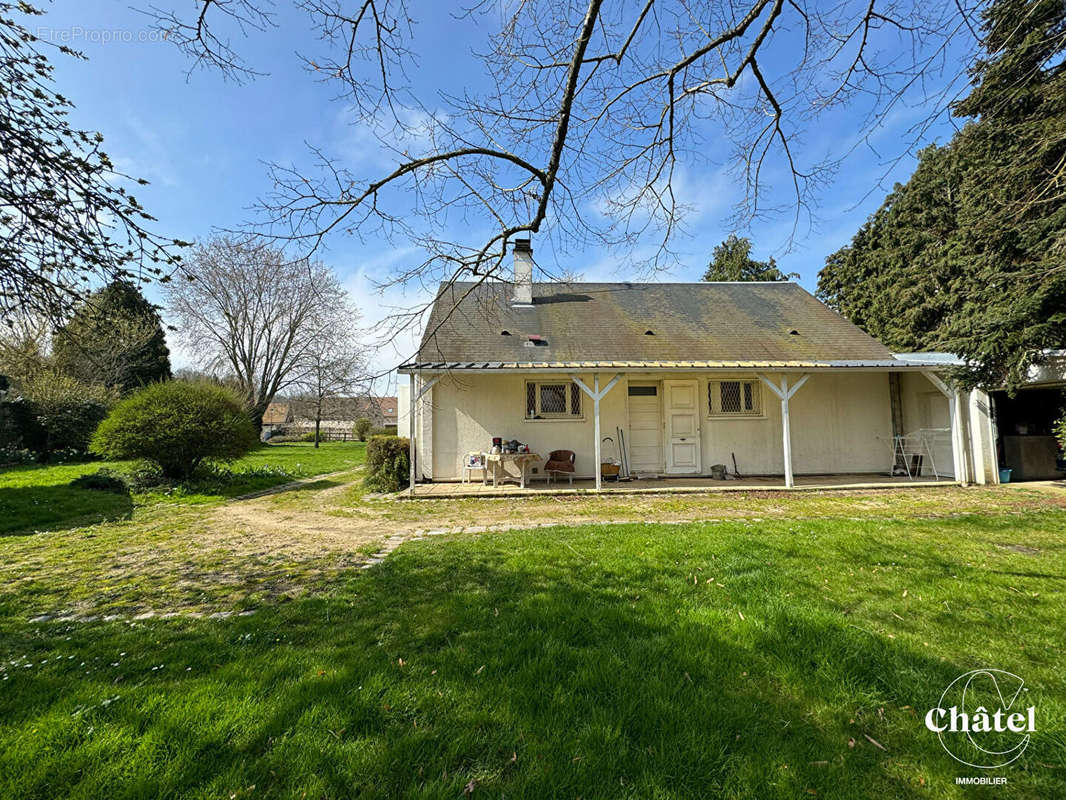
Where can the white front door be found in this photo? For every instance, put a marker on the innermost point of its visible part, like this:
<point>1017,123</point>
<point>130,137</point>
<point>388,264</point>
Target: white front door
<point>682,404</point>
<point>645,435</point>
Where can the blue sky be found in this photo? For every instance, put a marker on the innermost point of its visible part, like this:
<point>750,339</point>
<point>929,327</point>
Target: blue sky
<point>204,143</point>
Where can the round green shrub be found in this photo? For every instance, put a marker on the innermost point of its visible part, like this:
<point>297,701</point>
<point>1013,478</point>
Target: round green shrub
<point>361,428</point>
<point>178,425</point>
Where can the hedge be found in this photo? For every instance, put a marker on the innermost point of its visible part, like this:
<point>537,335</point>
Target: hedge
<point>388,464</point>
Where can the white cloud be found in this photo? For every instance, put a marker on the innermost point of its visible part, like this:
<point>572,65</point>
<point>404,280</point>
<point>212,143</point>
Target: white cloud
<point>385,309</point>
<point>152,160</point>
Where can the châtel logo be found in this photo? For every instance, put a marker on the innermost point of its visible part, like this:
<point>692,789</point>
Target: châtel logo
<point>982,719</point>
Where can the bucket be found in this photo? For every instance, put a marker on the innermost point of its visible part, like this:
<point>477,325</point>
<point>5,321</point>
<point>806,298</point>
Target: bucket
<point>1004,475</point>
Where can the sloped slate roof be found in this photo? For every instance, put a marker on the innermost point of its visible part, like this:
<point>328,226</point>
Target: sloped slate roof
<point>606,322</point>
<point>276,413</point>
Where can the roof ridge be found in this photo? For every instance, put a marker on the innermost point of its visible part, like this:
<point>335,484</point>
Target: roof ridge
<point>504,282</point>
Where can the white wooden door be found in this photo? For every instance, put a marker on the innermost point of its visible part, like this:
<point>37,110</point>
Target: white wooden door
<point>682,404</point>
<point>644,438</point>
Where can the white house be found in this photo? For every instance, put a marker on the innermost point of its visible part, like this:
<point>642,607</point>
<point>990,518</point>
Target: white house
<point>692,374</point>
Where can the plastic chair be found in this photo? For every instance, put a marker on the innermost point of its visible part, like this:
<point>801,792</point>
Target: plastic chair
<point>472,461</point>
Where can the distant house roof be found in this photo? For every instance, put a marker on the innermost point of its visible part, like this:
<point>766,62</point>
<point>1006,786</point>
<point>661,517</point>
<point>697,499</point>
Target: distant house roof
<point>389,409</point>
<point>706,325</point>
<point>378,409</point>
<point>276,414</point>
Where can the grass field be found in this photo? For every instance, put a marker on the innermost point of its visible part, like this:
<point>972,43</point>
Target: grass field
<point>39,497</point>
<point>789,652</point>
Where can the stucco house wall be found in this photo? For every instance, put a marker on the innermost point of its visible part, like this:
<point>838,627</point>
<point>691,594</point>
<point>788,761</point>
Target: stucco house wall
<point>836,421</point>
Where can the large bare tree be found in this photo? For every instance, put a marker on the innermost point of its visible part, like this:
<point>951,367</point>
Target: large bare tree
<point>594,113</point>
<point>248,312</point>
<point>335,364</point>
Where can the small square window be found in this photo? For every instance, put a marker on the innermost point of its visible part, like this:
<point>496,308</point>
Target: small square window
<point>733,399</point>
<point>552,400</point>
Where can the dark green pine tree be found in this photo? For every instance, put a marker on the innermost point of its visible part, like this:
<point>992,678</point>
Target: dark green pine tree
<point>115,338</point>
<point>969,255</point>
<point>733,262</point>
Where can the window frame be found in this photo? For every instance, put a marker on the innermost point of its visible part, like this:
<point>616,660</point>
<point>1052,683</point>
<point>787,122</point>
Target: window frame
<point>571,390</point>
<point>714,399</point>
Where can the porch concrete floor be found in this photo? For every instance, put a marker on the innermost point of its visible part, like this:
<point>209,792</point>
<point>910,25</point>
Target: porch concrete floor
<point>669,485</point>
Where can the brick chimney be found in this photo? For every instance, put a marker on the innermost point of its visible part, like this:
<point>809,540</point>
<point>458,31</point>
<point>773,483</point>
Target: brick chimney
<point>523,273</point>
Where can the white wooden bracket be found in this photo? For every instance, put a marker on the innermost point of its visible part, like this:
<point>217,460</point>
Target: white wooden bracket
<point>596,394</point>
<point>785,393</point>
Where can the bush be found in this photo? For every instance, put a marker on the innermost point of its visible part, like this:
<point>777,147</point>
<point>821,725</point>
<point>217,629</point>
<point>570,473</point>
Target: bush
<point>103,480</point>
<point>388,430</point>
<point>388,464</point>
<point>146,476</point>
<point>361,428</point>
<point>11,456</point>
<point>55,414</point>
<point>178,426</point>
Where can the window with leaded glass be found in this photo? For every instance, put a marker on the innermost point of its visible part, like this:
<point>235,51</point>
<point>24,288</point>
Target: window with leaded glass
<point>737,398</point>
<point>552,400</point>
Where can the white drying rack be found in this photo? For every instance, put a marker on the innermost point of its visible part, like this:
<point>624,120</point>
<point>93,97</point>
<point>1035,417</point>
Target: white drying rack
<point>915,449</point>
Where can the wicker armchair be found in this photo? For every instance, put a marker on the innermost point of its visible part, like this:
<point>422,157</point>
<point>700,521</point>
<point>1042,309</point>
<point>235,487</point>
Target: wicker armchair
<point>560,462</point>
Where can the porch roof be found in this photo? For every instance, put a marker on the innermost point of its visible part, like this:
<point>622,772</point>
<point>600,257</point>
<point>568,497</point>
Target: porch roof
<point>891,364</point>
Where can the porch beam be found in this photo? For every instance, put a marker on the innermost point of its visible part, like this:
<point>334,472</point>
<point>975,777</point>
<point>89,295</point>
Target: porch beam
<point>412,450</point>
<point>785,393</point>
<point>596,396</point>
<point>596,381</point>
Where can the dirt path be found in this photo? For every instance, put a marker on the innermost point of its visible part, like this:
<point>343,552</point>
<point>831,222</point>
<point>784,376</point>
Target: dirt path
<point>332,520</point>
<point>244,554</point>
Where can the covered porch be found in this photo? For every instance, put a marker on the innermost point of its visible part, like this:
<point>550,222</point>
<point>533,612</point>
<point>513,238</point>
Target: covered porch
<point>674,425</point>
<point>676,485</point>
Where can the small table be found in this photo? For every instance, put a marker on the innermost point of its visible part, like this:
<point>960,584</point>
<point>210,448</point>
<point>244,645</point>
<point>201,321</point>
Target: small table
<point>497,462</point>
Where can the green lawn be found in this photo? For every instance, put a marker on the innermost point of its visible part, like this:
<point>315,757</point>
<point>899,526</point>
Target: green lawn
<point>752,659</point>
<point>39,497</point>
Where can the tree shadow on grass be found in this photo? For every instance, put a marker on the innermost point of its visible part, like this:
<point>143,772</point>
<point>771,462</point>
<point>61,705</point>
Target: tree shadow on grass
<point>445,671</point>
<point>32,509</point>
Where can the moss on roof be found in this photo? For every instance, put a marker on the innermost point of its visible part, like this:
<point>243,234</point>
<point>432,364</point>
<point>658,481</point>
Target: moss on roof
<point>612,321</point>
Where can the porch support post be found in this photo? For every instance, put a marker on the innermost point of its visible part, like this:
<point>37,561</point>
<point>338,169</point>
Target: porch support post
<point>784,393</point>
<point>958,458</point>
<point>596,396</point>
<point>415,403</point>
<point>411,436</point>
<point>596,427</point>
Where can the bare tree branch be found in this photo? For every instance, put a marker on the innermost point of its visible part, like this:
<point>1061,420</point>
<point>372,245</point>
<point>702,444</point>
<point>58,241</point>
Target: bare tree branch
<point>589,114</point>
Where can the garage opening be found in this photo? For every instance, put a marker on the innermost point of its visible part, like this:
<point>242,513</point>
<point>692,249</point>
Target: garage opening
<point>1025,424</point>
